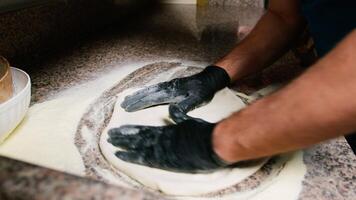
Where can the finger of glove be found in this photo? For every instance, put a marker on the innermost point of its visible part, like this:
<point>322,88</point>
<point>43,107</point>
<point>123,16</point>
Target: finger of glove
<point>153,99</point>
<point>127,143</point>
<point>161,88</point>
<point>134,137</point>
<point>190,103</point>
<point>140,94</point>
<point>131,156</point>
<point>125,138</point>
<point>125,130</point>
<point>177,114</point>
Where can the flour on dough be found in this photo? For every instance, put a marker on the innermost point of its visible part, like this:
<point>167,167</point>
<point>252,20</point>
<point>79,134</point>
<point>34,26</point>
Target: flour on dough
<point>179,184</point>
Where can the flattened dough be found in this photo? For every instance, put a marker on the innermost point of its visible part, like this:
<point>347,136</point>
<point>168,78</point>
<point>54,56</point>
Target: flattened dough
<point>178,184</point>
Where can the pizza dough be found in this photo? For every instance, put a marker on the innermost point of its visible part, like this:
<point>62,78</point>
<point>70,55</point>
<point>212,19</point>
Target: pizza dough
<point>45,136</point>
<point>172,183</point>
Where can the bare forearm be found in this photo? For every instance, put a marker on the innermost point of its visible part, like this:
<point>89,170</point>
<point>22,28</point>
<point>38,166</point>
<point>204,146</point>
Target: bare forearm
<point>271,37</point>
<point>317,106</point>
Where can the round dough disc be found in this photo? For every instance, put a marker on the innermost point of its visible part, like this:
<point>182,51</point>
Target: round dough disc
<point>172,183</point>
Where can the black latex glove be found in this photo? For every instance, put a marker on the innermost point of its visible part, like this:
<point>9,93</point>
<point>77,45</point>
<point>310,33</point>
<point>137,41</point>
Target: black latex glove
<point>184,147</point>
<point>187,93</point>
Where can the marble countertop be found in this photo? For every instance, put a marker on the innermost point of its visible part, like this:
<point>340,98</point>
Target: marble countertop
<point>180,33</point>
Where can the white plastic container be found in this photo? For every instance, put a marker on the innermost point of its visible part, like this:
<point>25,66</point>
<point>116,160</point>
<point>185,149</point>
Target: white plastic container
<point>14,110</point>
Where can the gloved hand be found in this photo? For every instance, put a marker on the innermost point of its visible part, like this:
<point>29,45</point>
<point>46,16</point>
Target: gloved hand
<point>187,93</point>
<point>184,147</point>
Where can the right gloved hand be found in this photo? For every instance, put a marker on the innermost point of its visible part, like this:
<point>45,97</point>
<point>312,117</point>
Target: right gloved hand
<point>186,146</point>
<point>186,93</point>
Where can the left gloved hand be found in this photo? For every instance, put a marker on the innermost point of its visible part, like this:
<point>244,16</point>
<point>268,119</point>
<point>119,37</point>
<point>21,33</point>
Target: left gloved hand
<point>184,147</point>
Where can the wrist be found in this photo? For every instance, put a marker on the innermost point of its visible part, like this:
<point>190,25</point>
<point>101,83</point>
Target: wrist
<point>216,77</point>
<point>221,144</point>
<point>240,64</point>
<point>227,66</point>
<point>234,138</point>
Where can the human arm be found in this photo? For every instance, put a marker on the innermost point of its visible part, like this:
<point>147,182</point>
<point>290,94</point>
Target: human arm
<point>275,32</point>
<point>317,106</point>
<point>268,40</point>
<point>313,108</point>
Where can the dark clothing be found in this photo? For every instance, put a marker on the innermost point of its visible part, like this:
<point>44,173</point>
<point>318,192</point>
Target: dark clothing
<point>329,21</point>
<point>351,139</point>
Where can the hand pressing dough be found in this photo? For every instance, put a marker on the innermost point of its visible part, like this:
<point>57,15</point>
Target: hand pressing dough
<point>172,183</point>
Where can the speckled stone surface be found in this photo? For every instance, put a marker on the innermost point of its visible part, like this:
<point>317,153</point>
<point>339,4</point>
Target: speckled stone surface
<point>33,33</point>
<point>245,3</point>
<point>168,33</point>
<point>24,181</point>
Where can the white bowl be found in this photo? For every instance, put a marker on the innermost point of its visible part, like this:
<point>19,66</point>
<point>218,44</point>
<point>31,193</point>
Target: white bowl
<point>14,110</point>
